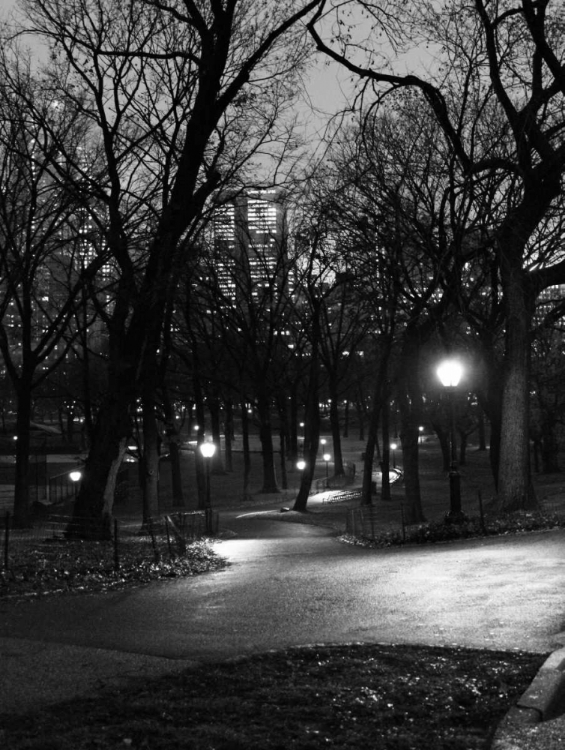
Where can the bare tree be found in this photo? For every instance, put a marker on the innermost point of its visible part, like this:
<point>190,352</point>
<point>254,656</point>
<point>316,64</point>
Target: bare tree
<point>43,268</point>
<point>179,95</point>
<point>496,87</point>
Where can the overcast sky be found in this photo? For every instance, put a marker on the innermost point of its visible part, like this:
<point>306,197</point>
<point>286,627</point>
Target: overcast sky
<point>326,87</point>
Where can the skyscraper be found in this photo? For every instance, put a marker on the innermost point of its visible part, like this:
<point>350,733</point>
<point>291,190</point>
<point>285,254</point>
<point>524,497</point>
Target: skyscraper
<point>249,243</point>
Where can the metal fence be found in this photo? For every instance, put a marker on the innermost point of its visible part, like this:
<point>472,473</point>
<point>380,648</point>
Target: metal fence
<point>65,486</point>
<point>361,522</point>
<point>166,536</point>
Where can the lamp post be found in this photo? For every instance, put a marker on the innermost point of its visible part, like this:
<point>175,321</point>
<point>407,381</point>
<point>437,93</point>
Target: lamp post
<point>75,477</point>
<point>300,465</point>
<point>393,447</point>
<point>449,374</point>
<point>326,458</point>
<point>207,450</point>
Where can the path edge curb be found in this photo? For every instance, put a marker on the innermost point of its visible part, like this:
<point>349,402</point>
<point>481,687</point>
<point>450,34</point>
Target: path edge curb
<point>542,701</point>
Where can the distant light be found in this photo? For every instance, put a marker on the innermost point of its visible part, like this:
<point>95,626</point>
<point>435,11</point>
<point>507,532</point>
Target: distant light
<point>326,456</point>
<point>301,465</point>
<point>75,476</point>
<point>393,446</point>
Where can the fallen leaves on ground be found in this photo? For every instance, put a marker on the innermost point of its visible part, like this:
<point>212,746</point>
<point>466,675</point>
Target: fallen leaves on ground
<point>353,696</point>
<point>59,565</point>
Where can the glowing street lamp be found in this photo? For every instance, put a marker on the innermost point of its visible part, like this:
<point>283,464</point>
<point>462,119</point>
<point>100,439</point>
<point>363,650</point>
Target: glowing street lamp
<point>449,374</point>
<point>207,450</point>
<point>75,477</point>
<point>326,458</point>
<point>301,465</point>
<point>393,447</point>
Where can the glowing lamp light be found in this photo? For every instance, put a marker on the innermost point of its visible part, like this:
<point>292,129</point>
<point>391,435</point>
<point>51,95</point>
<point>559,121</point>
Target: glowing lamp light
<point>326,457</point>
<point>450,372</point>
<point>207,449</point>
<point>75,476</point>
<point>301,465</point>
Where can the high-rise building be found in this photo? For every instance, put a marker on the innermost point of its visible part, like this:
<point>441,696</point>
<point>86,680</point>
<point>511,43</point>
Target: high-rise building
<point>249,244</point>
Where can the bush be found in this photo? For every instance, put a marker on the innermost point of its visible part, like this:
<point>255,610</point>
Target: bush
<point>446,531</point>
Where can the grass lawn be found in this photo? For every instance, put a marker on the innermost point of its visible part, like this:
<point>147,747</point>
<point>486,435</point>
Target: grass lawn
<point>354,696</point>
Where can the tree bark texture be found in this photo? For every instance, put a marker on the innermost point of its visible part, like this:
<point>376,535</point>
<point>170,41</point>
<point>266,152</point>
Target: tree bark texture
<point>410,406</point>
<point>336,435</point>
<point>21,517</point>
<point>515,491</point>
<point>267,449</point>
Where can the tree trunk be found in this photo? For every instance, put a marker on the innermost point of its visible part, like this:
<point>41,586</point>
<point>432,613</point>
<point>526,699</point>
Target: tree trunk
<point>150,464</point>
<point>312,415</point>
<point>490,400</point>
<point>346,419</point>
<point>481,429</point>
<point>174,449</point>
<point>92,516</point>
<point>23,443</point>
<point>366,491</point>
<point>293,427</point>
<point>385,463</point>
<point>267,449</point>
<point>360,409</point>
<point>216,424</point>
<point>198,459</point>
<point>515,491</point>
<point>246,451</point>
<point>311,446</point>
<point>442,432</point>
<point>410,406</point>
<point>228,434</point>
<point>283,438</point>
<point>336,434</point>
<point>282,442</point>
<point>463,439</point>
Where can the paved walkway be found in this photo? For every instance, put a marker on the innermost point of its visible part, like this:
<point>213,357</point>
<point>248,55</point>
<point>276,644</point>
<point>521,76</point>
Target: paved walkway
<point>287,584</point>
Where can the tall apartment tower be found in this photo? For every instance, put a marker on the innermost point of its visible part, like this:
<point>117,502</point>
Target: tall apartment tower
<point>249,243</point>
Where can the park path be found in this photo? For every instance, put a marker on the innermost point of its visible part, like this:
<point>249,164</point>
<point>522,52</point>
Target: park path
<point>287,584</point>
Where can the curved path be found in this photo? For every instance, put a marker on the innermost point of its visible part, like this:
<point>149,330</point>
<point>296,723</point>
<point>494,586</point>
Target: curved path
<point>287,584</point>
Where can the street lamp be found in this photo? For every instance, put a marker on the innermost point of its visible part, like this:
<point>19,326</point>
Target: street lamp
<point>393,447</point>
<point>207,450</point>
<point>449,374</point>
<point>326,458</point>
<point>301,465</point>
<point>75,477</point>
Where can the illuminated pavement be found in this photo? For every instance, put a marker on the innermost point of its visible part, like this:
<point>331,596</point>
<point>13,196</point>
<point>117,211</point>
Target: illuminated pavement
<point>288,584</point>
